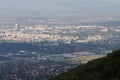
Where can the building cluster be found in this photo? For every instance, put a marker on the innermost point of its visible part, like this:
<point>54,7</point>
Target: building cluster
<point>31,70</point>
<point>66,34</point>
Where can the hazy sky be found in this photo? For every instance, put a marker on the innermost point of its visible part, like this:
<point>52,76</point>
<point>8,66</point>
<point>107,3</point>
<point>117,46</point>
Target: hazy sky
<point>12,7</point>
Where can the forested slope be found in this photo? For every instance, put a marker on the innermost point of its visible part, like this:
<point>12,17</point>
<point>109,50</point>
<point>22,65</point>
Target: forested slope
<point>107,68</point>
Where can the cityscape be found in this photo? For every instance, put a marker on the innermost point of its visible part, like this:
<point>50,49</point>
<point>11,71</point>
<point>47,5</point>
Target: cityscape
<point>65,34</point>
<point>51,48</point>
<point>59,40</point>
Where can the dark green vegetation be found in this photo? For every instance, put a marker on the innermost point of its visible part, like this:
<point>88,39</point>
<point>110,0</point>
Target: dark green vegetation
<point>107,68</point>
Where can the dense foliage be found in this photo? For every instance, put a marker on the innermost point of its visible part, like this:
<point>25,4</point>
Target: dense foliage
<point>107,68</point>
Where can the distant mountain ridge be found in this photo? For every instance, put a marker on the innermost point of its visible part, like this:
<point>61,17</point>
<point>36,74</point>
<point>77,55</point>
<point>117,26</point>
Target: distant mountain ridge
<point>107,68</point>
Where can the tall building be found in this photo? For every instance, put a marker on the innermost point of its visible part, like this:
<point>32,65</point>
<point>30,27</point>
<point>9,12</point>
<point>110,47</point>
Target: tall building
<point>17,27</point>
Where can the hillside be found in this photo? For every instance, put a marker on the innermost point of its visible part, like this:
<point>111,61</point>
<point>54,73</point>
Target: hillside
<point>107,68</point>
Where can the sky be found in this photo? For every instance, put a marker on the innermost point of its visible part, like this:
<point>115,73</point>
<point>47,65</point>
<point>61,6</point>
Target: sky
<point>52,7</point>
